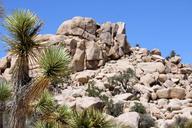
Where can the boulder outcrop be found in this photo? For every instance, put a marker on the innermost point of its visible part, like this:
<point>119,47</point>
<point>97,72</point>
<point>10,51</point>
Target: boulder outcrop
<point>101,53</point>
<point>91,45</point>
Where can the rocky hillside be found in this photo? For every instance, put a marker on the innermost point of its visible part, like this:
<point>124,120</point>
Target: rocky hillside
<point>132,85</point>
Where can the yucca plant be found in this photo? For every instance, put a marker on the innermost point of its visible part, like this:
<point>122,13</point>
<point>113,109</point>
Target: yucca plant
<point>41,124</point>
<point>51,113</point>
<point>45,103</point>
<point>5,94</point>
<point>23,27</point>
<point>63,115</point>
<point>49,110</point>
<point>53,63</point>
<point>5,91</point>
<point>89,118</point>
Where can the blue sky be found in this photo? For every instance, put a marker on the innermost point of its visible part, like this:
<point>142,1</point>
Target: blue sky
<point>163,24</point>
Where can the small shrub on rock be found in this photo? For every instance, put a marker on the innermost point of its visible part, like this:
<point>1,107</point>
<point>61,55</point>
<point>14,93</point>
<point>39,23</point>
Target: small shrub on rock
<point>124,81</point>
<point>113,109</point>
<point>138,107</point>
<point>110,108</point>
<point>93,91</point>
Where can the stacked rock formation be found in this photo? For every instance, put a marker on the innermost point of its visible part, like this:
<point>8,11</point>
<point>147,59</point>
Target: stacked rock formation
<point>90,44</point>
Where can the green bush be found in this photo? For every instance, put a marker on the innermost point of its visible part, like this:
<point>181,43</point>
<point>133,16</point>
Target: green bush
<point>93,91</point>
<point>172,54</point>
<point>113,109</point>
<point>110,108</point>
<point>138,107</point>
<point>123,81</point>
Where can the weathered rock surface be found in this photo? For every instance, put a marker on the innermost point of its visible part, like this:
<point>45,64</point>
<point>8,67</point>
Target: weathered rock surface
<point>91,45</point>
<point>178,93</point>
<point>129,119</point>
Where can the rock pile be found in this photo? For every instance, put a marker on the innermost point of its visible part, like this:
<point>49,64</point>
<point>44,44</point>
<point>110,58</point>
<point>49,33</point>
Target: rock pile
<point>100,52</point>
<point>164,86</point>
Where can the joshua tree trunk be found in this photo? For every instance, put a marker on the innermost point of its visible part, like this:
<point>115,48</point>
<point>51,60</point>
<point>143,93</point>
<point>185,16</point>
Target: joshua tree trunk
<point>2,110</point>
<point>1,119</point>
<point>18,115</point>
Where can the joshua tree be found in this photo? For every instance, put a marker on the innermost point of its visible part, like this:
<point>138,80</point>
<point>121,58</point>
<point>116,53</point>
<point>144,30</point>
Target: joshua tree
<point>53,64</point>
<point>5,94</point>
<point>23,27</point>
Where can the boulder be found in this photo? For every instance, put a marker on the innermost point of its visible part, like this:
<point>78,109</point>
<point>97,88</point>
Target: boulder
<point>121,28</point>
<point>143,51</point>
<point>77,62</point>
<point>186,70</point>
<point>147,79</point>
<point>88,102</point>
<point>163,93</point>
<point>157,58</point>
<point>175,59</point>
<point>106,38</point>
<point>125,96</point>
<point>162,103</point>
<point>79,26</point>
<point>150,67</point>
<point>169,83</point>
<point>155,51</point>
<point>174,104</point>
<point>175,92</point>
<point>84,76</point>
<point>5,63</point>
<point>129,119</point>
<point>93,55</point>
<point>162,78</point>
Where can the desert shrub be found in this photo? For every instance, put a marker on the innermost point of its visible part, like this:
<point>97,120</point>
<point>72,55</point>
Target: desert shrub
<point>146,121</point>
<point>113,109</point>
<point>89,118</point>
<point>123,81</point>
<point>110,108</point>
<point>137,45</point>
<point>138,107</point>
<point>93,91</point>
<point>172,54</point>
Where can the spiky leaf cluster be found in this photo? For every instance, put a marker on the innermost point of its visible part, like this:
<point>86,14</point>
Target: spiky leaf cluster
<point>23,26</point>
<point>89,118</point>
<point>54,63</point>
<point>5,91</point>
